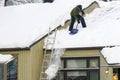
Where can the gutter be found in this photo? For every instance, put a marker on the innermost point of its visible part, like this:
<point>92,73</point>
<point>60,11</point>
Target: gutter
<point>13,49</point>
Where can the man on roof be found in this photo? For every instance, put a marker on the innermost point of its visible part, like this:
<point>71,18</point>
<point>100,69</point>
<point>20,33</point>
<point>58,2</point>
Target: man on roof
<point>77,14</point>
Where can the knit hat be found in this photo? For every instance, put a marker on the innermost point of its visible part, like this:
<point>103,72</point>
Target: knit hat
<point>80,6</point>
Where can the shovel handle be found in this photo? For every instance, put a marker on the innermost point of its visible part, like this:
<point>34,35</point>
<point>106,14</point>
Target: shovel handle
<point>76,25</point>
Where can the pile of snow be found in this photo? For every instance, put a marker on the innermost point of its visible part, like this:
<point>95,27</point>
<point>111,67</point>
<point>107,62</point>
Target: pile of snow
<point>55,63</point>
<point>103,29</point>
<point>4,58</point>
<point>111,54</point>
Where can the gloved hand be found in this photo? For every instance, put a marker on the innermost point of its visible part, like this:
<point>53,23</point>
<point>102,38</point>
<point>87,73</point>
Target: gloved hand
<point>83,15</point>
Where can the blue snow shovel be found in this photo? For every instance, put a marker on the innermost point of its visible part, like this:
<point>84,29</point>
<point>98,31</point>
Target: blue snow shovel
<point>74,31</point>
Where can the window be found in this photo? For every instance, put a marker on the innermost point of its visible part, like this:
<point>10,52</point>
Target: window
<point>8,70</point>
<point>12,70</point>
<point>93,63</point>
<point>76,75</point>
<point>1,71</point>
<point>80,63</point>
<point>79,69</point>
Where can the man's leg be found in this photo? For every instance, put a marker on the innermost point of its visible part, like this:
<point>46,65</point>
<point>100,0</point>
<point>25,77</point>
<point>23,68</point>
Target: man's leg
<point>72,23</point>
<point>82,21</point>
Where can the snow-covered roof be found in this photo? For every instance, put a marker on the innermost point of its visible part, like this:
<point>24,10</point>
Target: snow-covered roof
<point>22,25</point>
<point>103,29</point>
<point>4,58</point>
<point>111,54</point>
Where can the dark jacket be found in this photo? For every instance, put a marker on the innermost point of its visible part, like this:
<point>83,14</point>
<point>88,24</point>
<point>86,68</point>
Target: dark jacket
<point>76,11</point>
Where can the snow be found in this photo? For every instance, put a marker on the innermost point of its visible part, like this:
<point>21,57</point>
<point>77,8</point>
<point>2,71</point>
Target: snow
<point>4,58</point>
<point>111,54</point>
<point>55,63</point>
<point>102,29</point>
<point>22,25</point>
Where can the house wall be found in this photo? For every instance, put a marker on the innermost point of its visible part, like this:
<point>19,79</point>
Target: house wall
<point>81,53</point>
<point>24,71</point>
<point>36,59</point>
<point>92,53</point>
<point>104,67</point>
<point>29,61</point>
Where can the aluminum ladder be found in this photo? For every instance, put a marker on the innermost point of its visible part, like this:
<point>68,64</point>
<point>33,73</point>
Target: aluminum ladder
<point>47,57</point>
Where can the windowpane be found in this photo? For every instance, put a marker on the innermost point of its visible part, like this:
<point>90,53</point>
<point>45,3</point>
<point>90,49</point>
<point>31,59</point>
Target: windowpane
<point>1,71</point>
<point>62,64</point>
<point>60,75</point>
<point>76,75</point>
<point>93,63</point>
<point>94,75</point>
<point>81,63</point>
<point>12,70</point>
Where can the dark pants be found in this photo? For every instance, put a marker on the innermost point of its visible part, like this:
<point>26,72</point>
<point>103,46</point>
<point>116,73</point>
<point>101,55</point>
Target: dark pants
<point>80,18</point>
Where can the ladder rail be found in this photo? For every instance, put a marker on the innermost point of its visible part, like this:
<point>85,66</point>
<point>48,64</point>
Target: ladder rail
<point>45,61</point>
<point>52,48</point>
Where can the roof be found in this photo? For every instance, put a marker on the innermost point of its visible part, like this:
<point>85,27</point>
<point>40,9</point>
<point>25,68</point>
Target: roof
<point>103,29</point>
<point>23,25</point>
<point>4,58</point>
<point>111,54</point>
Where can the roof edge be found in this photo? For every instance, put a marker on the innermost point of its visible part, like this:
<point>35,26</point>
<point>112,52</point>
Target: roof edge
<point>85,48</point>
<point>43,37</point>
<point>14,49</point>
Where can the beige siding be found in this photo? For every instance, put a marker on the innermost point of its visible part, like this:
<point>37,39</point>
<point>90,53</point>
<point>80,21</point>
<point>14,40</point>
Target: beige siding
<point>36,59</point>
<point>91,7</point>
<point>81,53</point>
<point>29,61</point>
<point>24,65</point>
<point>24,69</point>
<point>104,67</point>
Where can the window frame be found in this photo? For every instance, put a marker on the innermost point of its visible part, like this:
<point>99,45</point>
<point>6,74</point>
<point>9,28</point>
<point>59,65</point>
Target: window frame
<point>87,69</point>
<point>5,67</point>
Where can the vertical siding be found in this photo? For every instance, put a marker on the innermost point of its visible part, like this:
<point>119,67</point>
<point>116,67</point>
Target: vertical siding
<point>24,65</point>
<point>81,53</point>
<point>29,61</point>
<point>103,68</point>
<point>37,57</point>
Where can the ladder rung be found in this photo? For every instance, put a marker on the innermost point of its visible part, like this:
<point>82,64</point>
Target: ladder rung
<point>43,72</point>
<point>45,66</point>
<point>50,37</point>
<point>49,43</point>
<point>44,78</point>
<point>45,62</point>
<point>47,58</point>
